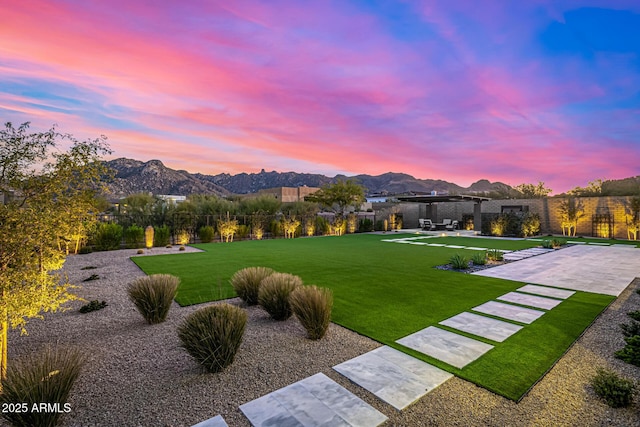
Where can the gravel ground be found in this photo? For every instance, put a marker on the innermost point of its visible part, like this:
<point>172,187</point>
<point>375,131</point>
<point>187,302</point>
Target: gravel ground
<point>138,375</point>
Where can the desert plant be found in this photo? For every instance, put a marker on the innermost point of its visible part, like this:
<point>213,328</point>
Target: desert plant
<point>108,236</point>
<point>273,294</point>
<point>161,236</point>
<point>148,236</point>
<point>246,282</point>
<point>530,225</point>
<point>366,225</point>
<point>133,237</point>
<point>206,234</point>
<point>93,306</point>
<point>45,376</point>
<point>631,329</point>
<point>153,295</point>
<point>183,237</point>
<point>495,255</point>
<point>228,228</point>
<point>631,351</point>
<point>212,335</point>
<point>459,262</point>
<point>479,258</point>
<point>635,315</point>
<point>312,307</point>
<point>616,391</point>
<point>140,251</point>
<point>182,248</point>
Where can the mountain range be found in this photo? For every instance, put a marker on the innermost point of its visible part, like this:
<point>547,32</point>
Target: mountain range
<point>133,176</point>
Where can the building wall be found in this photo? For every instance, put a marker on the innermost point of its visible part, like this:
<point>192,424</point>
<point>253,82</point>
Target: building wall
<point>547,208</point>
<point>289,194</point>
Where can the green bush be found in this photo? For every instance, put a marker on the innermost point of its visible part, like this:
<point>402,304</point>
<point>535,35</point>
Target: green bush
<point>635,315</point>
<point>108,236</point>
<point>459,262</point>
<point>153,295</point>
<point>530,225</point>
<point>616,391</point>
<point>630,330</point>
<point>93,306</point>
<point>161,236</point>
<point>323,227</point>
<point>134,237</point>
<point>495,255</point>
<point>246,282</point>
<point>365,226</point>
<point>273,294</point>
<point>243,232</point>
<point>207,234</point>
<point>631,351</point>
<point>479,258</point>
<point>212,335</point>
<point>312,307</point>
<point>45,376</point>
<point>553,243</point>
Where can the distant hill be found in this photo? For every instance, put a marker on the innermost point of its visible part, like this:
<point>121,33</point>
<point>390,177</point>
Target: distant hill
<point>133,176</point>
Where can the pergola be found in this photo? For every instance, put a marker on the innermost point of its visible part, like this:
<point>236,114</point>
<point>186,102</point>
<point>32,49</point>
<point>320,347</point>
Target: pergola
<point>428,199</point>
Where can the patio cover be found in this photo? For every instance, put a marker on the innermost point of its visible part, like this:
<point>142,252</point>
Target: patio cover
<point>428,199</point>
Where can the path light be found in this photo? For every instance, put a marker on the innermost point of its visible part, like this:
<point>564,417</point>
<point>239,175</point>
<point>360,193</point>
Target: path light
<point>457,234</point>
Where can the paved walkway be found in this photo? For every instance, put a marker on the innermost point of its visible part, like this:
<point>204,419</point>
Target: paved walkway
<point>599,269</point>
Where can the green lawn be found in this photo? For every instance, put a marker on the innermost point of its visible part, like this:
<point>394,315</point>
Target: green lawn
<point>389,290</point>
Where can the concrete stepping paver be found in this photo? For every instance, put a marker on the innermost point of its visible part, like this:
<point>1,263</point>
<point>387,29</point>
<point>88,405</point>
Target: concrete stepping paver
<point>509,311</point>
<point>546,291</point>
<point>216,421</point>
<point>530,300</point>
<point>393,376</point>
<point>451,348</point>
<point>482,326</point>
<point>313,401</point>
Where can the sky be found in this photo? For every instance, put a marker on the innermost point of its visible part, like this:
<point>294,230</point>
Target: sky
<point>459,90</point>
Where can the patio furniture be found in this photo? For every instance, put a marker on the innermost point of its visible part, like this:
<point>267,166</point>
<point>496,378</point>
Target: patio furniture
<point>452,226</point>
<point>426,224</point>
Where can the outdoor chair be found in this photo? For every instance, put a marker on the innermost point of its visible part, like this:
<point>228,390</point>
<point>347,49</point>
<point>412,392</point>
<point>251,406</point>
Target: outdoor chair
<point>426,224</point>
<point>452,226</point>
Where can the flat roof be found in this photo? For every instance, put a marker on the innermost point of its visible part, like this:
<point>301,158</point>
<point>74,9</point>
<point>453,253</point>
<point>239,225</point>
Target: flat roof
<point>435,199</point>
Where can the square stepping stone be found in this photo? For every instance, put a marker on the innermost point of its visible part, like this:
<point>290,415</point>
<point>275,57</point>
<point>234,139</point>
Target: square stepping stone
<point>216,421</point>
<point>451,348</point>
<point>530,300</point>
<point>393,376</point>
<point>509,312</point>
<point>314,401</point>
<point>546,291</point>
<point>482,326</point>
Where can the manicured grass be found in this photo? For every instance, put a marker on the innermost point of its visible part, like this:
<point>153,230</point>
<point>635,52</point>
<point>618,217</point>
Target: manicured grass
<point>592,240</point>
<point>389,290</point>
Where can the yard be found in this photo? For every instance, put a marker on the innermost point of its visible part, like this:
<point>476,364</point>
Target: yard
<point>386,291</point>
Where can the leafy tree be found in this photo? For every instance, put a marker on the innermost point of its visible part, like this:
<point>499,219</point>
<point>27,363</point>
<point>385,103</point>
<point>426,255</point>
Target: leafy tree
<point>531,191</point>
<point>338,196</point>
<point>571,210</point>
<point>49,203</point>
<point>594,188</point>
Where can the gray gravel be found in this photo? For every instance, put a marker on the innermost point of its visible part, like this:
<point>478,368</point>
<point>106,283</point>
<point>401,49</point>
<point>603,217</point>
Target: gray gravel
<point>138,375</point>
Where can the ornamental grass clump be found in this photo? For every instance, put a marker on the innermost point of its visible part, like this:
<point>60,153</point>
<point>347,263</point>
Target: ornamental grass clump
<point>312,306</point>
<point>479,258</point>
<point>212,335</point>
<point>274,292</point>
<point>43,377</point>
<point>616,391</point>
<point>459,262</point>
<point>246,282</point>
<point>153,295</point>
<point>495,255</point>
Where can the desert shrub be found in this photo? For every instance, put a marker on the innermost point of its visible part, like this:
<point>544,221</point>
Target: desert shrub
<point>631,329</point>
<point>161,236</point>
<point>459,262</point>
<point>365,226</point>
<point>108,236</point>
<point>212,335</point>
<point>140,251</point>
<point>323,227</point>
<point>45,376</point>
<point>275,228</point>
<point>153,295</point>
<point>479,258</point>
<point>134,237</point>
<point>243,231</point>
<point>495,255</point>
<point>312,307</point>
<point>635,315</point>
<point>182,248</point>
<point>206,234</point>
<point>183,237</point>
<point>530,225</point>
<point>553,243</point>
<point>631,351</point>
<point>273,294</point>
<point>616,391</point>
<point>93,306</point>
<point>246,282</point>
